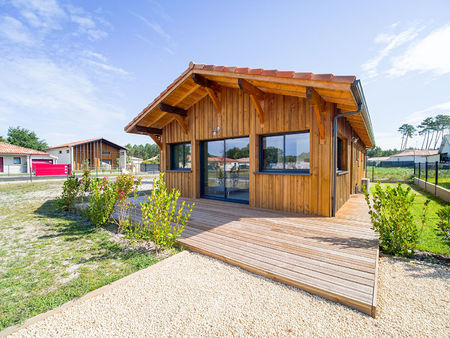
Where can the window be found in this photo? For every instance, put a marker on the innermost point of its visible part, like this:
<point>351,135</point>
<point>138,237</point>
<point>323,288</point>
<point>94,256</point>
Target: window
<point>67,151</point>
<point>17,160</point>
<point>180,156</point>
<point>106,153</point>
<point>285,153</point>
<point>60,151</point>
<point>341,154</point>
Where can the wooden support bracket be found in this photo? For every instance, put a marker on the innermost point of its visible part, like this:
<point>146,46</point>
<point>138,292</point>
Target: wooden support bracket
<point>148,130</point>
<point>157,141</point>
<point>257,97</point>
<point>318,105</point>
<point>172,110</point>
<point>183,123</point>
<point>211,87</point>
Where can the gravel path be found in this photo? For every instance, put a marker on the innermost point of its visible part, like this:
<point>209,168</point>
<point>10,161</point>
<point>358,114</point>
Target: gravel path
<point>193,295</point>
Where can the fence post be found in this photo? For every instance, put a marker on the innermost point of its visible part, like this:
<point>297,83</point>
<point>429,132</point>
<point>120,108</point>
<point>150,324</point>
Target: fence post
<point>436,175</point>
<point>373,173</point>
<point>426,171</point>
<point>419,171</point>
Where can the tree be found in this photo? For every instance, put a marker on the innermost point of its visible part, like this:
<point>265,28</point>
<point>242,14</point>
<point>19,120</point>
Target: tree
<point>2,139</point>
<point>145,152</point>
<point>407,131</point>
<point>25,138</point>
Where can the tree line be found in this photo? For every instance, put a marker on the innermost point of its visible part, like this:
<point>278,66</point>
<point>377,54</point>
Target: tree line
<point>144,151</point>
<point>24,138</point>
<point>432,129</point>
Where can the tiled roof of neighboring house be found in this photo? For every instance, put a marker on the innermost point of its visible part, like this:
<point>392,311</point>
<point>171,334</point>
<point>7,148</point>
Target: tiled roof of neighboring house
<point>6,148</point>
<point>378,159</point>
<point>71,144</point>
<point>412,152</point>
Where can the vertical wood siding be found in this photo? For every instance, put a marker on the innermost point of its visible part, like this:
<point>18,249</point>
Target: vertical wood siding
<point>306,194</point>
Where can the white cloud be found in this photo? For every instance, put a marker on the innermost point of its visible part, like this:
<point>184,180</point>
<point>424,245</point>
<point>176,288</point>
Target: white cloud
<point>41,13</point>
<point>420,115</point>
<point>155,27</point>
<point>14,31</point>
<point>432,53</point>
<point>391,41</point>
<point>86,25</point>
<point>109,68</point>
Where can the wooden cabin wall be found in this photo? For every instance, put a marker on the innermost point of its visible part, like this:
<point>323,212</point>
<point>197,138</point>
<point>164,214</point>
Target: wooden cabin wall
<point>92,152</point>
<point>308,194</point>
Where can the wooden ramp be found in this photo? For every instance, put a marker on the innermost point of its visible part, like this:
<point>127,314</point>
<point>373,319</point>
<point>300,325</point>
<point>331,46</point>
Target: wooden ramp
<point>335,258</point>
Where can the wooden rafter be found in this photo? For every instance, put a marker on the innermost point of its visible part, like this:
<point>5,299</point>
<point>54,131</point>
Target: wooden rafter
<point>182,121</point>
<point>172,109</point>
<point>211,87</point>
<point>256,95</point>
<point>318,105</point>
<point>148,130</point>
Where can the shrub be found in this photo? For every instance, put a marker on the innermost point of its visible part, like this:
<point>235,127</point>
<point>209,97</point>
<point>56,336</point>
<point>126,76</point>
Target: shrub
<point>162,222</point>
<point>71,190</point>
<point>444,224</point>
<point>126,184</point>
<point>102,201</point>
<point>391,214</point>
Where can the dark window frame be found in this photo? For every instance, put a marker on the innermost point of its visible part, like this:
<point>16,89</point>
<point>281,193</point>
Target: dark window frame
<point>172,160</point>
<point>15,158</point>
<point>284,170</point>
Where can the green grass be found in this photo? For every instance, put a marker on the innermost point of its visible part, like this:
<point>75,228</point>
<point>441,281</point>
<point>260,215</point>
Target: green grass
<point>428,239</point>
<point>48,258</point>
<point>442,181</point>
<point>382,173</point>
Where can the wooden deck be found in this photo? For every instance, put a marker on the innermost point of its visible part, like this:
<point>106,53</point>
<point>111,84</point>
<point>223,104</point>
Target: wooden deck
<point>335,258</point>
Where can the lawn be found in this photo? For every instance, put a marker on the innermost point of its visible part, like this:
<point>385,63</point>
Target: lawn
<point>428,239</point>
<point>48,258</point>
<point>382,173</point>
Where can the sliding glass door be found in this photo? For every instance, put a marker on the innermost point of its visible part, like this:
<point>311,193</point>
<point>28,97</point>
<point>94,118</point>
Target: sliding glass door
<point>225,169</point>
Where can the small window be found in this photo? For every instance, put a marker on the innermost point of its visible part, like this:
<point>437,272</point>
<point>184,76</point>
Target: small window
<point>341,154</point>
<point>60,151</point>
<point>67,151</point>
<point>180,156</point>
<point>285,153</point>
<point>106,153</point>
<point>17,160</point>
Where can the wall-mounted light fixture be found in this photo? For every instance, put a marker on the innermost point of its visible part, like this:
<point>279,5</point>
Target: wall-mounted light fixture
<point>216,131</point>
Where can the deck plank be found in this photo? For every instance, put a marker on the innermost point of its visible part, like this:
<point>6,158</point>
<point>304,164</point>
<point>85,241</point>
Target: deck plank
<point>336,258</point>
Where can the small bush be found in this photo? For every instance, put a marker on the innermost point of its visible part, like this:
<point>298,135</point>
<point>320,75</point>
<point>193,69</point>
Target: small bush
<point>391,214</point>
<point>444,224</point>
<point>125,185</point>
<point>162,222</point>
<point>102,201</point>
<point>71,191</point>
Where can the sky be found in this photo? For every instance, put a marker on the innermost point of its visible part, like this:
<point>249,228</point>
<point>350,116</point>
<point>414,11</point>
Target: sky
<point>73,70</point>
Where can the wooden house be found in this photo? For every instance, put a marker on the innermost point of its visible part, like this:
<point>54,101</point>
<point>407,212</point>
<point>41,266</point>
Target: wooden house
<point>273,139</point>
<point>96,153</point>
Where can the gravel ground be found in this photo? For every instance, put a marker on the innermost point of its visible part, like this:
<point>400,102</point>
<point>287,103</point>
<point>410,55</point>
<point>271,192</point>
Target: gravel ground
<point>193,295</point>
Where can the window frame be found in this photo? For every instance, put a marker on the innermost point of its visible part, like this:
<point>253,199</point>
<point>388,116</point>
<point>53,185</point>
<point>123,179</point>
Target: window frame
<point>284,170</point>
<point>17,157</point>
<point>172,160</point>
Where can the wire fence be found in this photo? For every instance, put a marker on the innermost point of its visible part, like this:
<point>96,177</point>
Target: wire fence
<point>393,172</point>
<point>433,172</point>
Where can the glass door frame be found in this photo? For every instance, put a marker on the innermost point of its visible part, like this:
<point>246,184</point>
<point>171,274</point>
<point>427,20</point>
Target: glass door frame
<point>203,169</point>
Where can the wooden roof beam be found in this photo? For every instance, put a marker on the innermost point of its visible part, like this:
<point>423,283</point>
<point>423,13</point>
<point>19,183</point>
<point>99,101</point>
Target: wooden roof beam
<point>172,109</point>
<point>257,97</point>
<point>148,130</point>
<point>211,87</point>
<point>318,106</point>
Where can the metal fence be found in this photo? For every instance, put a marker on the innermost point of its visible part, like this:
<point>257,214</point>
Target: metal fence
<point>152,168</point>
<point>433,172</point>
<point>393,172</point>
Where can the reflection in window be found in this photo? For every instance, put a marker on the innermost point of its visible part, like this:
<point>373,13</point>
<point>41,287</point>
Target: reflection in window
<point>180,156</point>
<point>285,153</point>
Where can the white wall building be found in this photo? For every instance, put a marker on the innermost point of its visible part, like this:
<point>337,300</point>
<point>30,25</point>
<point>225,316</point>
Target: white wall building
<point>416,156</point>
<point>18,160</point>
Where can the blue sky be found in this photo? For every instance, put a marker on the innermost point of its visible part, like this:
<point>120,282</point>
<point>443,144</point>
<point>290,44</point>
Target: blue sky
<point>75,70</point>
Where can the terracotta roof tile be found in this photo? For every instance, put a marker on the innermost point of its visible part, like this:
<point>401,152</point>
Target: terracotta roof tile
<point>246,70</point>
<point>6,148</point>
<point>70,144</point>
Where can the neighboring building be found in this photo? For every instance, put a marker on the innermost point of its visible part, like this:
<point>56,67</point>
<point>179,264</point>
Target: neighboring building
<point>444,149</point>
<point>134,163</point>
<point>415,156</point>
<point>377,160</point>
<point>93,153</point>
<point>15,159</point>
<point>282,125</point>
